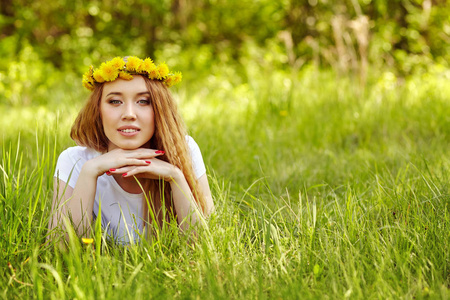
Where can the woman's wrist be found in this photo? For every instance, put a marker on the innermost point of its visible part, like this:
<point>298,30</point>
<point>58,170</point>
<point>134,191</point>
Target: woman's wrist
<point>176,175</point>
<point>90,170</point>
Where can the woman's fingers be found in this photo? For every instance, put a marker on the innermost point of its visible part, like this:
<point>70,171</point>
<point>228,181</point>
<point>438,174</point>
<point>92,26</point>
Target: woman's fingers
<point>133,162</point>
<point>143,153</point>
<point>143,172</point>
<point>119,158</point>
<point>139,157</point>
<point>125,169</point>
<point>158,169</point>
<point>152,169</point>
<point>137,171</point>
<point>123,165</point>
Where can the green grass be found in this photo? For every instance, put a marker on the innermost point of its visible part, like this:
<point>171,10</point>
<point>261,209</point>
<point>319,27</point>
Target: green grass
<point>322,190</point>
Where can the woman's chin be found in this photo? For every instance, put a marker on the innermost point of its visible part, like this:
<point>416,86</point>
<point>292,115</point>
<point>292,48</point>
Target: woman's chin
<point>127,147</point>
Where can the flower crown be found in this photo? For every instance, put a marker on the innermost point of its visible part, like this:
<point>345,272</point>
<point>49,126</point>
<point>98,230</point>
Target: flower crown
<point>125,68</point>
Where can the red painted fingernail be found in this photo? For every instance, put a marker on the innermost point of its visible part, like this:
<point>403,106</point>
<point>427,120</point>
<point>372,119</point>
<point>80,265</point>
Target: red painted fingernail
<point>108,173</point>
<point>112,170</point>
<point>159,152</point>
<point>124,174</point>
<point>147,161</point>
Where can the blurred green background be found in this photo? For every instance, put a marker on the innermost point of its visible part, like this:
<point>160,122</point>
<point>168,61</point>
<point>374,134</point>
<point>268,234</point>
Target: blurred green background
<point>47,45</point>
<point>260,78</point>
<point>324,125</point>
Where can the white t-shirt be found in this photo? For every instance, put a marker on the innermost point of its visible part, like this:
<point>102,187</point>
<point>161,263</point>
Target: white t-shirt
<point>121,211</point>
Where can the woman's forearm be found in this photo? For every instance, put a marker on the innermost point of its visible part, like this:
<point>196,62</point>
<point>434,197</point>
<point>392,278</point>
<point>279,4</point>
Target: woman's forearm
<point>78,206</point>
<point>188,212</point>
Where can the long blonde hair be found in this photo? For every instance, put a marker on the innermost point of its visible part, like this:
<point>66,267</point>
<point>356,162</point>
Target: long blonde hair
<point>169,136</point>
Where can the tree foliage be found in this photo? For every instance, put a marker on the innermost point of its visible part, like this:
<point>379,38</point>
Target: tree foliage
<point>64,30</point>
<point>348,35</point>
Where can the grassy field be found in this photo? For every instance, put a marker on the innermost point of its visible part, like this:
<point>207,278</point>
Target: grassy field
<point>323,190</point>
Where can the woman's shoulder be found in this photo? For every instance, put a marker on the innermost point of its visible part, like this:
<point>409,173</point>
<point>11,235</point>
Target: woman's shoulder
<point>79,153</point>
<point>191,142</point>
<point>70,162</point>
<point>196,156</point>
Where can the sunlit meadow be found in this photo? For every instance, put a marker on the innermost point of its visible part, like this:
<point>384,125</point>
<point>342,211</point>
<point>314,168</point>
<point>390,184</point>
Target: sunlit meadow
<point>323,189</point>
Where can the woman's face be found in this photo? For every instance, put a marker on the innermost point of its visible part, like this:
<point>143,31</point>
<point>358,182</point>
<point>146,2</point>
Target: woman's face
<point>127,113</point>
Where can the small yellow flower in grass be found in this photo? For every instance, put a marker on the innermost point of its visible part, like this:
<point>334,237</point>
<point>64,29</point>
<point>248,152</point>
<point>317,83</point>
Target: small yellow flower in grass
<point>125,76</point>
<point>87,240</point>
<point>109,72</point>
<point>133,63</point>
<point>163,71</point>
<point>146,66</point>
<point>283,113</point>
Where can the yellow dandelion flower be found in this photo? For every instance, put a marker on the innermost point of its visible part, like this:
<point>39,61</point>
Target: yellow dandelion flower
<point>88,85</point>
<point>98,76</point>
<point>163,71</point>
<point>172,79</point>
<point>87,240</point>
<point>169,80</point>
<point>109,73</point>
<point>125,68</point>
<point>154,74</point>
<point>177,77</point>
<point>146,66</point>
<point>88,80</point>
<point>88,75</point>
<point>118,62</point>
<point>125,76</point>
<point>133,63</point>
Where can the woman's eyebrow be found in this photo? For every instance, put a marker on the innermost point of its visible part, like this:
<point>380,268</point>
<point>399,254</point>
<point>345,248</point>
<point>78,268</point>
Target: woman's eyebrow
<point>114,93</point>
<point>118,93</point>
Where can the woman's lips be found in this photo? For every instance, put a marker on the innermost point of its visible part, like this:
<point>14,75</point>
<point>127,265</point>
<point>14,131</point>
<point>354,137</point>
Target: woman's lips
<point>128,130</point>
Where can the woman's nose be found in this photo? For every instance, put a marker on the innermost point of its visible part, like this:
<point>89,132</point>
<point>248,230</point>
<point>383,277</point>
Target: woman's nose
<point>129,112</point>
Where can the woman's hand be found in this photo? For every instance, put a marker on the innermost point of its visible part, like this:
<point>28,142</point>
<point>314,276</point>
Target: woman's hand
<point>120,161</point>
<point>154,168</point>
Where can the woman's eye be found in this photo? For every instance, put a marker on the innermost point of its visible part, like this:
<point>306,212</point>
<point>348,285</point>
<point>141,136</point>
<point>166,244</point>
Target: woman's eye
<point>144,101</point>
<point>112,101</point>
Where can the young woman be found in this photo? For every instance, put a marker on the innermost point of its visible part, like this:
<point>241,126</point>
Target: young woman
<point>134,164</point>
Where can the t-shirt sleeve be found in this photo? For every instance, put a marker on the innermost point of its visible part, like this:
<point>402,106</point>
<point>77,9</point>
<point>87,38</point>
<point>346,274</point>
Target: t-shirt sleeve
<point>67,168</point>
<point>197,159</point>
